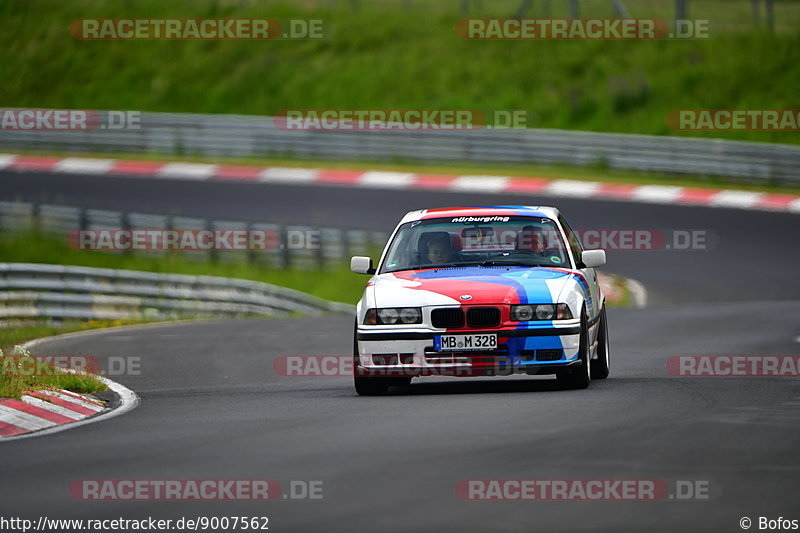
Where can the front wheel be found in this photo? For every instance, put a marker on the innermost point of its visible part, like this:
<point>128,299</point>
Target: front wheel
<point>602,365</point>
<point>579,376</point>
<point>372,386</point>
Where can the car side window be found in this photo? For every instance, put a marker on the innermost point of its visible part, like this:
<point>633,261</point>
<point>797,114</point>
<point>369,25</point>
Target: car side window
<point>572,239</point>
<point>399,253</point>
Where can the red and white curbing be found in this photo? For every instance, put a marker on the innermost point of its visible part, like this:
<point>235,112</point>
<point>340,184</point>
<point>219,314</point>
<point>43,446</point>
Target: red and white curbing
<point>44,412</point>
<point>45,409</point>
<point>659,194</point>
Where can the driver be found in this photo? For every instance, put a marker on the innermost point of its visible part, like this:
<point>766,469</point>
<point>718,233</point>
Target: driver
<point>439,250</point>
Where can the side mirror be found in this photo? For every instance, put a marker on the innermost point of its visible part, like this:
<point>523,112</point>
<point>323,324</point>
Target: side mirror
<point>361,265</point>
<point>593,258</point>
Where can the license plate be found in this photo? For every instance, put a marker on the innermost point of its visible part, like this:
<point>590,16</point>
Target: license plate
<point>456,343</point>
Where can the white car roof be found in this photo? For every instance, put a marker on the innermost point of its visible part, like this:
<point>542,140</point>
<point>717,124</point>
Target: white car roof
<point>514,210</point>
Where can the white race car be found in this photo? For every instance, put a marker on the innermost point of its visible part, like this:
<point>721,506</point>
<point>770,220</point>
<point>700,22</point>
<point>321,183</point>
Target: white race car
<point>481,291</point>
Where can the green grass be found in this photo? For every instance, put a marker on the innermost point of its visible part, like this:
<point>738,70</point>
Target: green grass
<point>405,54</point>
<point>20,373</point>
<point>34,329</point>
<point>337,284</point>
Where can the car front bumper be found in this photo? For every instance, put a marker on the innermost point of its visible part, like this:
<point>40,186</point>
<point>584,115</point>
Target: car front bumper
<point>411,353</point>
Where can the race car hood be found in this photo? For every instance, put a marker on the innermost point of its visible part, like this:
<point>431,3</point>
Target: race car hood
<point>469,285</point>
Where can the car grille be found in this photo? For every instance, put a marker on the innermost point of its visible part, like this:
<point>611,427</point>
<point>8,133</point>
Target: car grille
<point>477,317</point>
<point>449,317</point>
<point>483,317</point>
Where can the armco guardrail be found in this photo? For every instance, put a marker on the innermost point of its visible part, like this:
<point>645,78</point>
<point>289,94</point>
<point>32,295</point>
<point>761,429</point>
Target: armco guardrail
<point>302,247</point>
<point>241,135</point>
<point>30,290</point>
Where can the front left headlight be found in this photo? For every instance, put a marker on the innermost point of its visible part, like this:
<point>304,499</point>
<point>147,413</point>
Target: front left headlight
<point>394,315</point>
<point>527,312</point>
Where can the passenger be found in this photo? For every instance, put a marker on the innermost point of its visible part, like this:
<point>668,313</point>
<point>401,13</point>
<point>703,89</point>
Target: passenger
<point>531,239</point>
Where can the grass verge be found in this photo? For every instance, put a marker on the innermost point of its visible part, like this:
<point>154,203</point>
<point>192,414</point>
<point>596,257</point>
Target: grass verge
<point>23,331</point>
<point>20,372</point>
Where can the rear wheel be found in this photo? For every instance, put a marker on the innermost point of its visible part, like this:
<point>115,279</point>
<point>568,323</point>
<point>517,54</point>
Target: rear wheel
<point>578,376</point>
<point>602,365</point>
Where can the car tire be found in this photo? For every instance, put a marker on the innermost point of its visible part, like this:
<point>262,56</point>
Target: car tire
<point>602,365</point>
<point>372,386</point>
<point>578,377</point>
<point>368,385</point>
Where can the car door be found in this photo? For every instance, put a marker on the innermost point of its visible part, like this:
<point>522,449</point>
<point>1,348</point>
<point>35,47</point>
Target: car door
<point>589,274</point>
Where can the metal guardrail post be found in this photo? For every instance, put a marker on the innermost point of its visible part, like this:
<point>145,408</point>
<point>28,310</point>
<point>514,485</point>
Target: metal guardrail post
<point>680,10</point>
<point>574,11</point>
<point>770,16</point>
<point>213,255</point>
<point>286,260</point>
<point>83,221</point>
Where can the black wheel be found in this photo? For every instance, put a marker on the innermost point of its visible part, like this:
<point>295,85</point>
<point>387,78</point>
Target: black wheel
<point>369,385</point>
<point>578,376</point>
<point>601,366</point>
<point>374,386</point>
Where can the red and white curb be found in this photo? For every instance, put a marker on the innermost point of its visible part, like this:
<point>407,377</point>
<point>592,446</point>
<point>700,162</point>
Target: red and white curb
<point>45,409</point>
<point>657,194</point>
<point>44,412</point>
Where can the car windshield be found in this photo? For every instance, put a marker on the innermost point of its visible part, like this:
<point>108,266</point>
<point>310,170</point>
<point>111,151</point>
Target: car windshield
<point>476,241</point>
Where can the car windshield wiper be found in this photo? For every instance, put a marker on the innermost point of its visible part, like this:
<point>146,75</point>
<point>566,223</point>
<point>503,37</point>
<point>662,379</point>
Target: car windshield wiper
<point>435,266</point>
<point>473,263</point>
<point>452,265</point>
<point>494,262</point>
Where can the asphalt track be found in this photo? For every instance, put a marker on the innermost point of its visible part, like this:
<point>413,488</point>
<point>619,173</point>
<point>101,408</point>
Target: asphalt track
<point>212,406</point>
